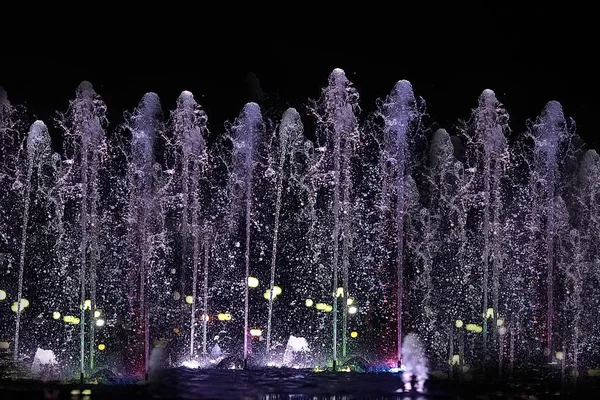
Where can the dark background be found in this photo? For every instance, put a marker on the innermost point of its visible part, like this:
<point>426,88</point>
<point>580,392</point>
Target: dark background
<point>527,54</point>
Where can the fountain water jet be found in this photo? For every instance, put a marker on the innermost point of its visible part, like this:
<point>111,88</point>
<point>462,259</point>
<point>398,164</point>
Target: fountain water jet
<point>289,140</point>
<point>400,114</point>
<point>190,158</point>
<point>84,134</point>
<point>38,148</point>
<point>247,135</point>
<point>141,208</point>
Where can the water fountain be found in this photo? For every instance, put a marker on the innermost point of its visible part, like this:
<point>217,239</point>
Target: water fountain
<point>334,244</point>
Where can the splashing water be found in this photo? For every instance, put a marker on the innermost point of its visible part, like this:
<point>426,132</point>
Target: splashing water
<point>415,363</point>
<point>116,250</point>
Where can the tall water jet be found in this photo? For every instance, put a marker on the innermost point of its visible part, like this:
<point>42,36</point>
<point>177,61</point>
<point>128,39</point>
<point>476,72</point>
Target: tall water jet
<point>145,126</point>
<point>549,132</point>
<point>400,116</point>
<point>38,148</point>
<point>190,159</point>
<point>85,147</point>
<point>248,132</point>
<point>289,141</point>
<point>337,132</point>
<point>490,155</point>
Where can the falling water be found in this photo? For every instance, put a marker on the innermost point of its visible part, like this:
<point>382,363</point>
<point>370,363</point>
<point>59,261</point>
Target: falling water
<point>38,146</point>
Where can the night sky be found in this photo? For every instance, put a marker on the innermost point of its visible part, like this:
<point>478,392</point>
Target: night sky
<point>527,56</point>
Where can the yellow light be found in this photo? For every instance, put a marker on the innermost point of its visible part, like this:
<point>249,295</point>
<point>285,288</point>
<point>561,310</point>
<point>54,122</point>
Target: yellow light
<point>349,301</point>
<point>276,290</point>
<point>352,310</point>
<point>204,317</point>
<point>24,305</point>
<point>321,306</point>
<point>252,282</point>
<point>189,299</point>
<point>478,329</point>
<point>87,305</point>
<point>255,332</point>
<point>4,345</point>
<point>471,327</point>
<point>353,334</point>
<point>101,347</point>
<point>76,321</point>
<point>559,355</point>
<point>339,292</point>
<point>328,308</point>
<point>68,319</point>
<point>267,294</point>
<point>100,322</point>
<point>56,315</point>
<point>224,317</point>
<point>2,295</point>
<point>86,392</point>
<point>489,313</point>
<point>458,323</point>
<point>97,314</point>
<point>455,359</point>
<point>309,303</point>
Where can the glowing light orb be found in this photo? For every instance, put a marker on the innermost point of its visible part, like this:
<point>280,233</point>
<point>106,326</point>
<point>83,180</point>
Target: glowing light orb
<point>500,322</point>
<point>2,295</point>
<point>56,315</point>
<point>321,306</point>
<point>97,314</point>
<point>276,290</point>
<point>252,282</point>
<point>189,299</point>
<point>100,322</point>
<point>352,310</point>
<point>68,319</point>
<point>267,294</point>
<point>559,355</point>
<point>455,359</point>
<point>339,292</point>
<point>353,334</point>
<point>255,332</point>
<point>458,323</point>
<point>76,321</point>
<point>24,303</point>
<point>328,308</point>
<point>349,301</point>
<point>101,347</point>
<point>309,303</point>
<point>224,317</point>
<point>204,317</point>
